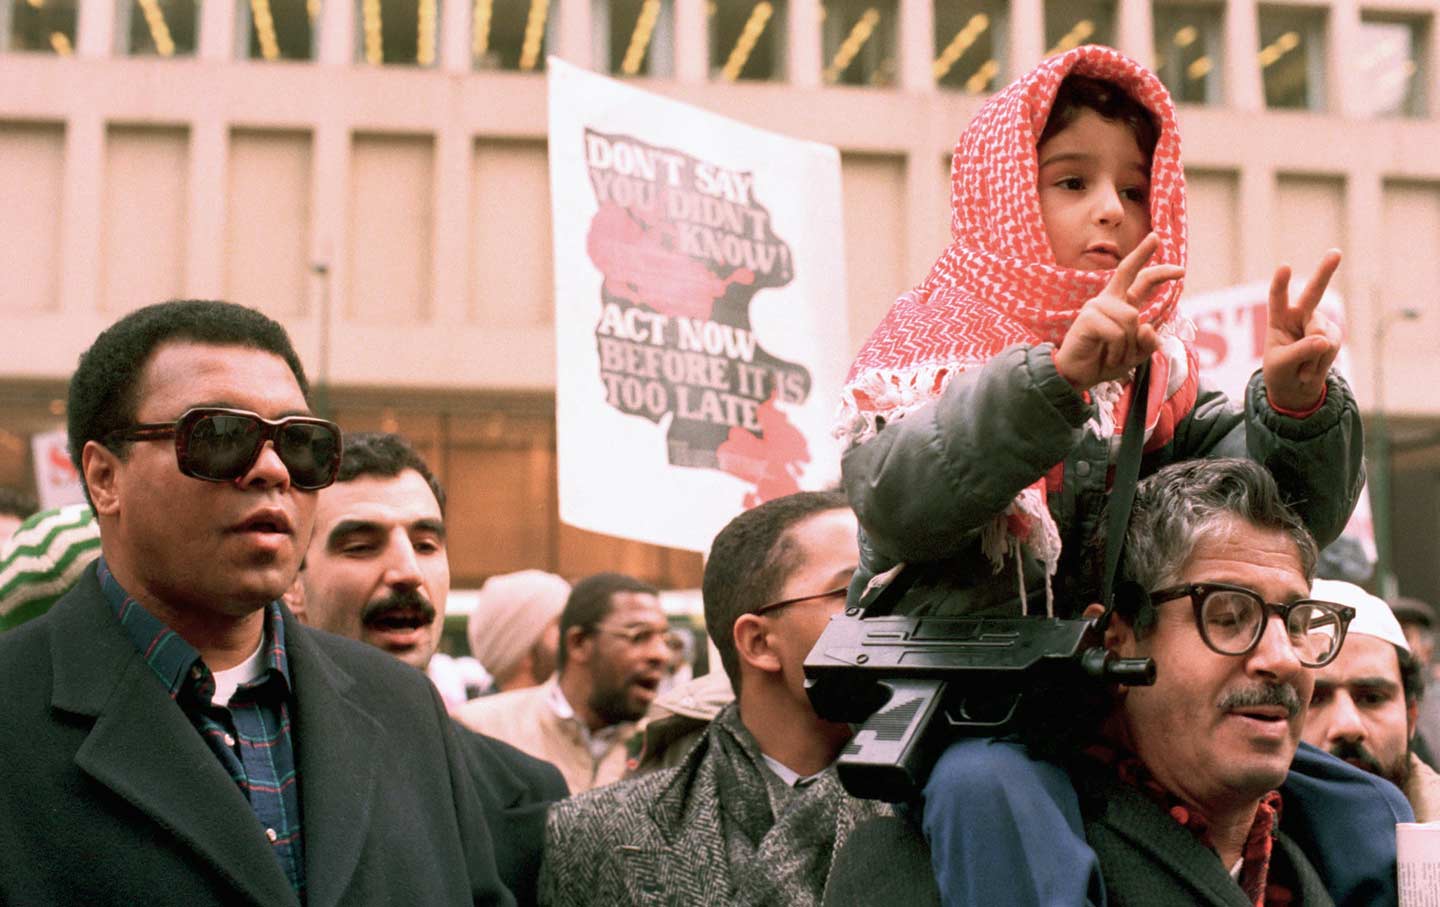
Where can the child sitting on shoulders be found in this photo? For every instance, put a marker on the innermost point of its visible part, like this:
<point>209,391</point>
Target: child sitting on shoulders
<point>984,415</point>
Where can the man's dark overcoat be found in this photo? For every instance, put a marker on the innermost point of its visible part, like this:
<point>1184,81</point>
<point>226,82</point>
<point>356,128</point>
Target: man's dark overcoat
<point>1150,860</point>
<point>111,797</point>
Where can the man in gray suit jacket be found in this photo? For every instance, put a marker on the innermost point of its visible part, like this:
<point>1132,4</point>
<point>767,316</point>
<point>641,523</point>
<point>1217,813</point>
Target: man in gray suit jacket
<point>754,813</point>
<point>1180,802</point>
<point>172,734</point>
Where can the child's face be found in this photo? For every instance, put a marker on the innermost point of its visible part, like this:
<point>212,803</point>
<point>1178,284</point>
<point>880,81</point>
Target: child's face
<point>1094,192</point>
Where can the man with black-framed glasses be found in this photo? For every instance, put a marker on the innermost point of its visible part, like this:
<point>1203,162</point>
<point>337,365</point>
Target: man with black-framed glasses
<point>613,654</point>
<point>1182,797</point>
<point>753,813</point>
<point>173,735</point>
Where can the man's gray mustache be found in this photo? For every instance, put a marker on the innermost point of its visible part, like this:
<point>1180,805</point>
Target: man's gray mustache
<point>1281,694</point>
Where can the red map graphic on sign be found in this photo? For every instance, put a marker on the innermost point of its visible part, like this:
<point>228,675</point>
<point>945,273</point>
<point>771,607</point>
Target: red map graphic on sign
<point>771,461</point>
<point>683,246</point>
<point>642,265</point>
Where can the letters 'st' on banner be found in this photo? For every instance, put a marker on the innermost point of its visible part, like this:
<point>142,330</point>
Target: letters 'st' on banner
<point>699,312</point>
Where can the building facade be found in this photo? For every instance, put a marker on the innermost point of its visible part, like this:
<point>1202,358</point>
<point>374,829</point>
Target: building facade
<point>373,174</point>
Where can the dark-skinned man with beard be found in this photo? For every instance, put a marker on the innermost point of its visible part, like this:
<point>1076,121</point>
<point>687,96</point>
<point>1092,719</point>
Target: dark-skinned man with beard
<point>612,656</point>
<point>377,570</point>
<point>1366,701</point>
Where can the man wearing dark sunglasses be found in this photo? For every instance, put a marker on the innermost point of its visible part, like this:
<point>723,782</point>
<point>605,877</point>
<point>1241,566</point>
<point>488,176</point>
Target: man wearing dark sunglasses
<point>753,813</point>
<point>173,735</point>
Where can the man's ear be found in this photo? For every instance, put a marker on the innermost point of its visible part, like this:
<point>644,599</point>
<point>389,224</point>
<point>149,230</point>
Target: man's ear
<point>752,643</point>
<point>1111,640</point>
<point>101,468</point>
<point>577,645</point>
<point>1412,715</point>
<point>1119,633</point>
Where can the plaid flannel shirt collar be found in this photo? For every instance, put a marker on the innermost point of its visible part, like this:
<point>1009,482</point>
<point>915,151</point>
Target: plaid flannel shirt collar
<point>172,658</point>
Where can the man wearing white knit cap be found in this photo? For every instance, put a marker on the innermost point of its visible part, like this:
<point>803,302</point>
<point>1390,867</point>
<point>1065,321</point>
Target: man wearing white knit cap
<point>1365,702</point>
<point>514,630</point>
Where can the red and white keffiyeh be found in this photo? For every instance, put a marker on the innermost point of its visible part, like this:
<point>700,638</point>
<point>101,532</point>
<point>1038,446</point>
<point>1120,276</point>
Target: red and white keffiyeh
<point>997,283</point>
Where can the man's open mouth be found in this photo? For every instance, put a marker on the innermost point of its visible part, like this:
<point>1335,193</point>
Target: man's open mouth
<point>400,620</point>
<point>266,521</point>
<point>1265,713</point>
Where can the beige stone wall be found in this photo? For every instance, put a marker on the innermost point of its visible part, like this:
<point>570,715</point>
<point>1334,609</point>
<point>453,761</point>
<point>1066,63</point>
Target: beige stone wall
<point>416,201</point>
<point>412,206</point>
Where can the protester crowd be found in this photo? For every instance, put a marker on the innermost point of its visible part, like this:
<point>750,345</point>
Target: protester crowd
<point>213,668</point>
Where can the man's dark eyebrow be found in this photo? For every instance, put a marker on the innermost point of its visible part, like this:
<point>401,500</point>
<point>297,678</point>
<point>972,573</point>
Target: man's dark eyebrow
<point>1373,683</point>
<point>346,528</point>
<point>430,524</point>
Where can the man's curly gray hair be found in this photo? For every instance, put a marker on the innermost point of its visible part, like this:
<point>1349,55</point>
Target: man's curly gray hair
<point>1187,503</point>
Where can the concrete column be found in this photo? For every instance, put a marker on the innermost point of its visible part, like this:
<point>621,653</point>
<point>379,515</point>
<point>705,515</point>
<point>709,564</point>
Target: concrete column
<point>804,61</point>
<point>455,36</point>
<point>1342,89</point>
<point>1427,57</point>
<point>337,32</point>
<point>1372,324</point>
<point>1026,38</point>
<point>927,203</point>
<point>1256,216</point>
<point>917,45</point>
<point>217,31</point>
<point>330,215</point>
<point>662,44</point>
<point>208,180</point>
<point>95,28</point>
<point>600,35</point>
<point>451,256</point>
<point>572,31</point>
<point>692,41</point>
<point>1361,277</point>
<point>1243,87</point>
<point>82,195</point>
<point>1135,31</point>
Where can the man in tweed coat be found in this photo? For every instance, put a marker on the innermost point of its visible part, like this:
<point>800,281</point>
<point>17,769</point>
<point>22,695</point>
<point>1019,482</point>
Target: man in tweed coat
<point>754,813</point>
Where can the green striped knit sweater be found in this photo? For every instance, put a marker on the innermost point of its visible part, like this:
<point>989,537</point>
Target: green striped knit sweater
<point>43,559</point>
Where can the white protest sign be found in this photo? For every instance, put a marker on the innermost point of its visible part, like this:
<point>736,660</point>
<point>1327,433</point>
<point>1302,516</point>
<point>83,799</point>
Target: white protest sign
<point>699,309</point>
<point>1417,852</point>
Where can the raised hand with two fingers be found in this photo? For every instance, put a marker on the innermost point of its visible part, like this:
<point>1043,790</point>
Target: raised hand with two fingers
<point>1300,342</point>
<point>1107,339</point>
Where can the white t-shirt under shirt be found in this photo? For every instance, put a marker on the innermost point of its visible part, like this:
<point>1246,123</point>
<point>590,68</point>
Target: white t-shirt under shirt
<point>791,777</point>
<point>230,679</point>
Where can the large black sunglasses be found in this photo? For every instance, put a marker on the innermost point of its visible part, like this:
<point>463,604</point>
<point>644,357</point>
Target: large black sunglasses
<point>1232,619</point>
<point>216,444</point>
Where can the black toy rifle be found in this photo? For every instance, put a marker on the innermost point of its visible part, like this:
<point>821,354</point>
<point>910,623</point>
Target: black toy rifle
<point>914,683</point>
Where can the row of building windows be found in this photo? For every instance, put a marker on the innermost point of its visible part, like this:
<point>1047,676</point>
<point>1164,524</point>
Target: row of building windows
<point>747,40</point>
